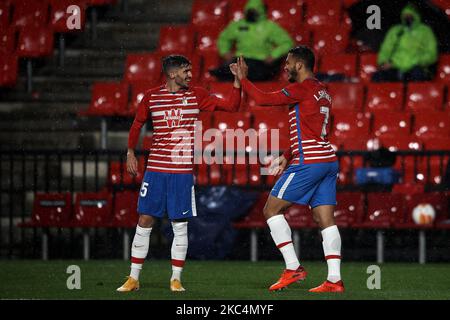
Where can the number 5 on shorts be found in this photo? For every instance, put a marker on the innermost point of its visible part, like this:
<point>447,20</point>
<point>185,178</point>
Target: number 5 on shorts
<point>144,189</point>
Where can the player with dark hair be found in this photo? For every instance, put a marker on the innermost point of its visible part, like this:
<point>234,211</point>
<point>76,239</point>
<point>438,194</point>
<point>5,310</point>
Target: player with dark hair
<point>168,184</point>
<point>310,162</point>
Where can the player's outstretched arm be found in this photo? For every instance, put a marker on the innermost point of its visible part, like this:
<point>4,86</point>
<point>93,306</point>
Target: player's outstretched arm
<point>277,98</point>
<point>231,104</point>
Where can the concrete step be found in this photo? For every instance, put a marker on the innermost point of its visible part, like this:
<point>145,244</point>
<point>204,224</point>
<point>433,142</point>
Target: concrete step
<point>120,36</point>
<point>168,11</point>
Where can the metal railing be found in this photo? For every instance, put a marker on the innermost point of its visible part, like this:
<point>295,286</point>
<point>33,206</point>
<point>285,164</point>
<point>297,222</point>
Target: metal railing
<point>23,173</point>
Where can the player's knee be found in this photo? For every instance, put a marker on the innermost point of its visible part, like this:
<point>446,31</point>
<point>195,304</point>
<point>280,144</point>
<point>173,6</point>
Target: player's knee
<point>145,221</point>
<point>179,228</point>
<point>269,212</point>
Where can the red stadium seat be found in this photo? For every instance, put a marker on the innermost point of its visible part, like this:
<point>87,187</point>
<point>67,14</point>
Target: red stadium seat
<point>52,209</point>
<point>30,13</point>
<point>384,96</point>
<point>100,2</point>
<point>8,70</point>
<point>301,36</point>
<point>234,172</point>
<point>240,172</point>
<point>367,66</point>
<point>408,188</point>
<point>226,120</point>
<point>319,13</point>
<point>209,14</point>
<point>351,124</point>
<point>443,71</point>
<point>231,140</point>
<point>266,121</point>
<point>176,40</point>
<point>143,67</point>
<point>436,143</point>
<point>330,40</point>
<point>7,40</point>
<point>349,208</point>
<point>424,96</point>
<point>207,174</point>
<point>299,217</point>
<point>138,90</point>
<point>211,60</point>
<point>343,143</point>
<point>287,14</point>
<point>425,170</point>
<point>384,210</point>
<point>348,166</point>
<point>432,124</point>
<point>118,174</point>
<point>35,42</point>
<point>339,64</point>
<point>255,217</point>
<point>108,98</point>
<point>93,209</point>
<point>59,15</point>
<point>236,9</point>
<point>207,40</point>
<point>399,143</point>
<point>5,14</point>
<point>346,96</point>
<point>431,171</point>
<point>391,124</point>
<point>125,209</point>
<point>349,3</point>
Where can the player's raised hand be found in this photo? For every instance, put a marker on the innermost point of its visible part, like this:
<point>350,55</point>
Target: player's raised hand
<point>277,166</point>
<point>242,68</point>
<point>234,68</point>
<point>132,164</point>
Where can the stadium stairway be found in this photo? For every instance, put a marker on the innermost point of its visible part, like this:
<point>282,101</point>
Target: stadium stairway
<point>47,117</point>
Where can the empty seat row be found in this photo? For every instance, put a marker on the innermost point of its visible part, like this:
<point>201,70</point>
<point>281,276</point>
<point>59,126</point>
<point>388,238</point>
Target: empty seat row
<point>27,29</point>
<point>89,209</point>
<point>354,209</point>
<point>288,13</point>
<point>358,210</point>
<point>423,126</point>
<point>24,14</point>
<point>184,39</point>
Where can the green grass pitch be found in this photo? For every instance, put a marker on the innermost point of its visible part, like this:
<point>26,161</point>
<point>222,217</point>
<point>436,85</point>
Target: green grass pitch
<point>228,280</point>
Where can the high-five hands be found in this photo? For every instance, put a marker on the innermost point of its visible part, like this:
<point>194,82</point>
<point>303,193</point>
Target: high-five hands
<point>234,71</point>
<point>242,68</point>
<point>233,68</point>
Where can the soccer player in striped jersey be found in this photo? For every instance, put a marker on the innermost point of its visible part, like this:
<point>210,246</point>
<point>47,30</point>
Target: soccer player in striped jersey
<point>168,184</point>
<point>310,166</point>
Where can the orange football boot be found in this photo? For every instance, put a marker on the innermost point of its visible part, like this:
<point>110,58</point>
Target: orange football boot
<point>288,277</point>
<point>328,286</point>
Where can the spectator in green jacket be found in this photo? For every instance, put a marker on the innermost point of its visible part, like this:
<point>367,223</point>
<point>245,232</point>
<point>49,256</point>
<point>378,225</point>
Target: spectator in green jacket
<point>262,43</point>
<point>408,50</point>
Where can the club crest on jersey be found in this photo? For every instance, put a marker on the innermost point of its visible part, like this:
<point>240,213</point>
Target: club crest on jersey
<point>173,117</point>
<point>184,101</point>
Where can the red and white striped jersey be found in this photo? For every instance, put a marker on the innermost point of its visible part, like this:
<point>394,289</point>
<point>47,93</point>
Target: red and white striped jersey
<point>309,123</point>
<point>173,115</point>
<point>309,113</point>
